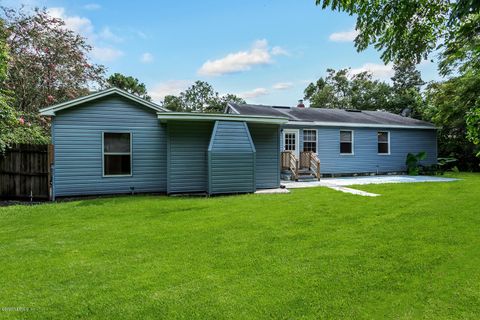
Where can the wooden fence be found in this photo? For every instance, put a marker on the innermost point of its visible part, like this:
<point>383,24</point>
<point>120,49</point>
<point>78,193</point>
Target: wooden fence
<point>25,172</point>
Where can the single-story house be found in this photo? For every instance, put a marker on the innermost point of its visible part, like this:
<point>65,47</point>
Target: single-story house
<point>350,141</point>
<point>113,142</point>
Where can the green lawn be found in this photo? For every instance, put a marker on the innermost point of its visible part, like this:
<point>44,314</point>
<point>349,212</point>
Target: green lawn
<point>413,252</point>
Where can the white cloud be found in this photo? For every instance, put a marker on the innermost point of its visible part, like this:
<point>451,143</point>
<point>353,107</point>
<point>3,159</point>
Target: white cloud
<point>147,57</point>
<point>84,27</point>
<point>254,93</point>
<point>345,36</point>
<point>259,54</point>
<point>106,54</point>
<point>380,71</point>
<point>92,6</point>
<point>107,34</point>
<point>279,51</point>
<point>78,24</point>
<point>170,87</point>
<point>282,85</point>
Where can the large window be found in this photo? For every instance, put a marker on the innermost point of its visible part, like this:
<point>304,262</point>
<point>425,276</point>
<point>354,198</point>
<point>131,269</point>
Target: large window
<point>310,140</point>
<point>117,154</point>
<point>346,142</point>
<point>383,142</point>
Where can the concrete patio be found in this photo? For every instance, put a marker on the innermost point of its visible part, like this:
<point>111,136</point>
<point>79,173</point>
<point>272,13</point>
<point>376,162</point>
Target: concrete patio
<point>340,184</point>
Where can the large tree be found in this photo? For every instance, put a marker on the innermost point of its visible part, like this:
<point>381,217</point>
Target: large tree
<point>48,63</point>
<point>200,97</point>
<point>409,30</point>
<point>341,90</point>
<point>129,84</point>
<point>447,104</point>
<point>13,127</point>
<point>406,95</point>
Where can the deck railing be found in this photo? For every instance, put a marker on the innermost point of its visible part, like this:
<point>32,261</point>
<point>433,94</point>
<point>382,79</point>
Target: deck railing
<point>309,160</point>
<point>290,162</point>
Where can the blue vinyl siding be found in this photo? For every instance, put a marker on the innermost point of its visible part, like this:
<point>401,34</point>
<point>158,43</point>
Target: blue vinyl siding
<point>231,159</point>
<point>187,156</point>
<point>366,158</point>
<point>266,140</point>
<point>77,138</point>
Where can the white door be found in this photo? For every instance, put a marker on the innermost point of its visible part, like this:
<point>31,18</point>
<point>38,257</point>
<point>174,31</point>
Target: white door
<point>291,140</point>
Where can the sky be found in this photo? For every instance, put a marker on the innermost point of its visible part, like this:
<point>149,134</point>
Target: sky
<point>266,51</point>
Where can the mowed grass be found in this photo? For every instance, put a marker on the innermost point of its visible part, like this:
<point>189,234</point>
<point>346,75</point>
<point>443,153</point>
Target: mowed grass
<point>412,253</point>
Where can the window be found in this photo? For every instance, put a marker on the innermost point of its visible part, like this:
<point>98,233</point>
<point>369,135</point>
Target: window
<point>310,140</point>
<point>383,142</point>
<point>346,142</point>
<point>117,154</point>
<point>290,140</point>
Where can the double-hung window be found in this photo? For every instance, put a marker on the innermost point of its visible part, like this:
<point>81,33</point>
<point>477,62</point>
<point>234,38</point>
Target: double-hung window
<point>310,140</point>
<point>117,154</point>
<point>346,142</point>
<point>383,138</point>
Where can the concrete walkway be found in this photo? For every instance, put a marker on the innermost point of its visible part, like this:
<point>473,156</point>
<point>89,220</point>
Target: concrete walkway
<point>340,184</point>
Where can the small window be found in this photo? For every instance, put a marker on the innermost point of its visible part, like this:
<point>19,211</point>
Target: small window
<point>117,154</point>
<point>346,142</point>
<point>310,140</point>
<point>290,141</point>
<point>383,142</point>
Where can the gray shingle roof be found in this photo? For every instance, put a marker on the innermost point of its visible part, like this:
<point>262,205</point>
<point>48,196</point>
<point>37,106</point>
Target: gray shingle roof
<point>324,115</point>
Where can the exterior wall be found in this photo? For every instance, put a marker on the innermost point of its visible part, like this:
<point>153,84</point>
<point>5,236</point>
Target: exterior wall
<point>231,159</point>
<point>187,156</point>
<point>365,158</point>
<point>266,139</point>
<point>77,136</point>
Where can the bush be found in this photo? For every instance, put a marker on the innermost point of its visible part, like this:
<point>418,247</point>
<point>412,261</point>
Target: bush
<point>412,162</point>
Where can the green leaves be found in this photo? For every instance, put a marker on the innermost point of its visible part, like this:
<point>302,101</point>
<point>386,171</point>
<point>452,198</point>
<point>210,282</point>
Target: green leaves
<point>129,84</point>
<point>200,97</point>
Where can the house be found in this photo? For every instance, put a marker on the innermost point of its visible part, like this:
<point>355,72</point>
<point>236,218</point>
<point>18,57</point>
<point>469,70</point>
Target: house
<point>349,141</point>
<point>112,142</point>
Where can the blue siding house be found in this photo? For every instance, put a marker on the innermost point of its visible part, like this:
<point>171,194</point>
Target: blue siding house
<point>349,142</point>
<point>112,142</point>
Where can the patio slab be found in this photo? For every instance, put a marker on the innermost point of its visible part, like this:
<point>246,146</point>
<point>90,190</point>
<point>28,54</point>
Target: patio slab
<point>340,184</point>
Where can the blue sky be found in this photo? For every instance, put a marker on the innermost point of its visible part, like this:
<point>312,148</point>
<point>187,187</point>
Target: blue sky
<point>265,51</point>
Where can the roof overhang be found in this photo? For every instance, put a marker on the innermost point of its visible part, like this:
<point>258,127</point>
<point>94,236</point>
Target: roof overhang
<point>357,125</point>
<point>50,111</point>
<point>186,116</point>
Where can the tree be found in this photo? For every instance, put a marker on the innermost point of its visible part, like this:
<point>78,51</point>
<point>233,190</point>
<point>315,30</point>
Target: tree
<point>48,63</point>
<point>447,104</point>
<point>173,103</point>
<point>341,90</point>
<point>200,97</point>
<point>407,82</point>
<point>13,128</point>
<point>129,84</point>
<point>409,30</point>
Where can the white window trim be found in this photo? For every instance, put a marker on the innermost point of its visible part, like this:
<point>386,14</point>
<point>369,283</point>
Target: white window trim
<point>353,142</point>
<point>388,153</point>
<point>297,139</point>
<point>316,138</point>
<point>117,153</point>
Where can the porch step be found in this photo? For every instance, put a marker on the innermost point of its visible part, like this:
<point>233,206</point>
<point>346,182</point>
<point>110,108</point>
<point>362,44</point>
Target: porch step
<point>306,177</point>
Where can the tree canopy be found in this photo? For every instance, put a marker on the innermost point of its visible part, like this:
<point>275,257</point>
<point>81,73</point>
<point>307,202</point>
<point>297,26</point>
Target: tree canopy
<point>410,30</point>
<point>129,84</point>
<point>200,97</point>
<point>48,63</point>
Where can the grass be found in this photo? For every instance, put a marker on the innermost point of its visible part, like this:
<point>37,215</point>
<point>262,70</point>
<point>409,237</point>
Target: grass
<point>315,253</point>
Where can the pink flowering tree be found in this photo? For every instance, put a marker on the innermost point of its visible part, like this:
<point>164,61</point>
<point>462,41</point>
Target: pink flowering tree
<point>48,63</point>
